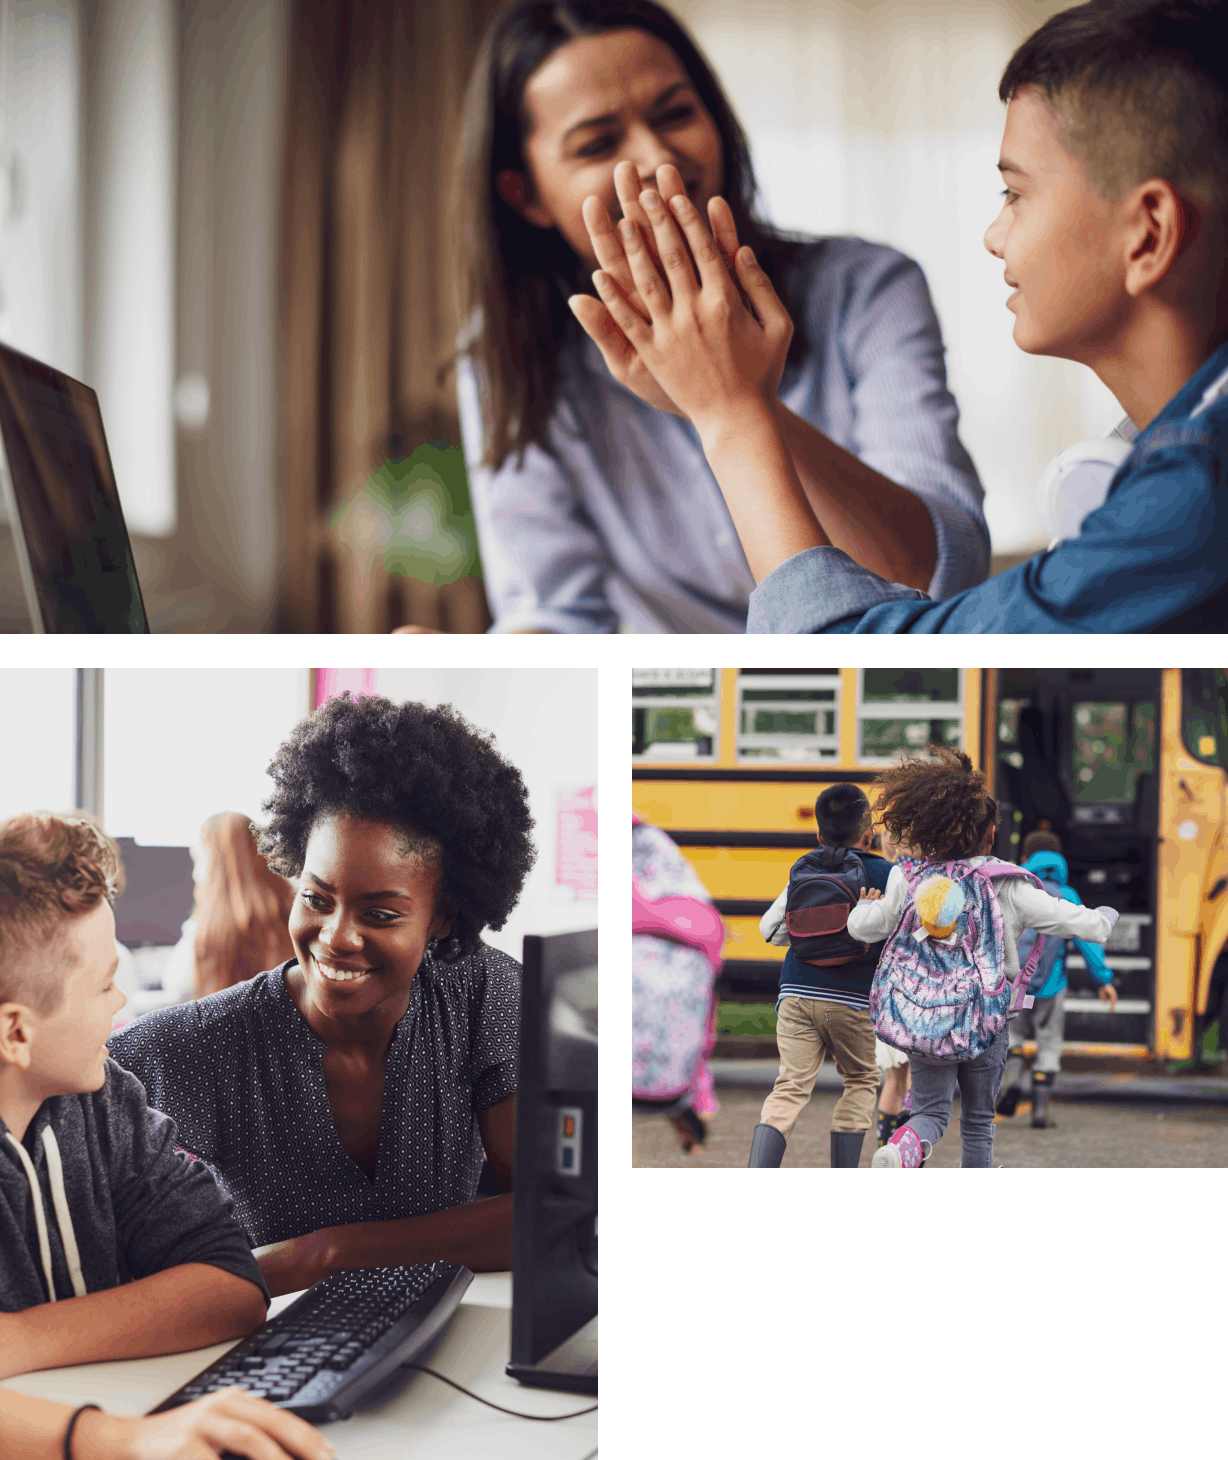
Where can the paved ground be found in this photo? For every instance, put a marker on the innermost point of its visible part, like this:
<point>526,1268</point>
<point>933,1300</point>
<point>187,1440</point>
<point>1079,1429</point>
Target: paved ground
<point>1138,1128</point>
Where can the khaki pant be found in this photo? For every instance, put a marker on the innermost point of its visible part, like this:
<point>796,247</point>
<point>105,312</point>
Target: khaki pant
<point>807,1030</point>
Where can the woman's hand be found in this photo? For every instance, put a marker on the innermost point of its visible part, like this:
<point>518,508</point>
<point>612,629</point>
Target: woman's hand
<point>620,356</point>
<point>231,1421</point>
<point>1109,995</point>
<point>869,894</point>
<point>703,347</point>
<point>297,1263</point>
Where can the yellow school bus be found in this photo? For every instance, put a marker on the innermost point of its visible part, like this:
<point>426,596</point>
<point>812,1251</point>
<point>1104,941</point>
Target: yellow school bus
<point>1127,766</point>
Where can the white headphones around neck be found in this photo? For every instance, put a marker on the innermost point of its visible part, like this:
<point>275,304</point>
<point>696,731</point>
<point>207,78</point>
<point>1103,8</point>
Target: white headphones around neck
<point>1076,481</point>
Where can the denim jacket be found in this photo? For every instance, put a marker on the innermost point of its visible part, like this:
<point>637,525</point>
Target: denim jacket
<point>1152,559</point>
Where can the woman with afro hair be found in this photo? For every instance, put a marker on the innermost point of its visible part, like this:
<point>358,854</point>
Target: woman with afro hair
<point>346,1098</point>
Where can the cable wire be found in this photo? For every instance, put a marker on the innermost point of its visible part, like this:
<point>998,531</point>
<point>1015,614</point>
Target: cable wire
<point>435,1374</point>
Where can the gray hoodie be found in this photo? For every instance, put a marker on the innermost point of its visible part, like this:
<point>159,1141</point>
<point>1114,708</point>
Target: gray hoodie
<point>97,1195</point>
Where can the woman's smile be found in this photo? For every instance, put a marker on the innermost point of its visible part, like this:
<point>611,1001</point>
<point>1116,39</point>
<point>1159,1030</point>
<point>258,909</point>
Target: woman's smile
<point>336,973</point>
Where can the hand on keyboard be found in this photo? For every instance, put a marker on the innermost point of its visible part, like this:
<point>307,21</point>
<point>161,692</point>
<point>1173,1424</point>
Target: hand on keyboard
<point>230,1422</point>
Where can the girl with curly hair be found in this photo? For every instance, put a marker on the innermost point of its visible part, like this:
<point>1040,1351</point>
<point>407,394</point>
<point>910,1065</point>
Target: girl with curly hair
<point>346,1097</point>
<point>939,809</point>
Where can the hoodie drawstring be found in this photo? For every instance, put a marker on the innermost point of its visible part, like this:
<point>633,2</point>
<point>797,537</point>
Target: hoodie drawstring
<point>68,1237</point>
<point>59,1199</point>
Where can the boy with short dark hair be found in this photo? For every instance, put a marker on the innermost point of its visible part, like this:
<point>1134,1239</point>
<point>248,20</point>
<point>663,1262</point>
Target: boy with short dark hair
<point>823,1009</point>
<point>1114,237</point>
<point>113,1245</point>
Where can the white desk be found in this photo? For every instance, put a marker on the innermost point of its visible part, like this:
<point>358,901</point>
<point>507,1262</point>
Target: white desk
<point>426,1419</point>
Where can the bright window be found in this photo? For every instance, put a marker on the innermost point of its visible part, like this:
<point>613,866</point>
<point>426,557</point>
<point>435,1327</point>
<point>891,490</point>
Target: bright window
<point>182,744</point>
<point>38,740</point>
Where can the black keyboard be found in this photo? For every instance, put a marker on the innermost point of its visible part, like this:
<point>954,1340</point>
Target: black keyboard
<point>342,1339</point>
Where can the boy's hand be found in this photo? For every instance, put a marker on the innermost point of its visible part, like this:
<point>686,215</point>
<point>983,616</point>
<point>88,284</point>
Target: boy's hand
<point>1109,994</point>
<point>703,347</point>
<point>229,1421</point>
<point>869,894</point>
<point>620,357</point>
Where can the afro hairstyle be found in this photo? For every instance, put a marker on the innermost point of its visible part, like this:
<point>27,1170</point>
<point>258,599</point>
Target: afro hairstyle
<point>424,770</point>
<point>938,803</point>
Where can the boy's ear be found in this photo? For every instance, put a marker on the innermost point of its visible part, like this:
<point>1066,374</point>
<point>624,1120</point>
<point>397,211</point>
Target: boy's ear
<point>16,1035</point>
<point>517,192</point>
<point>1159,226</point>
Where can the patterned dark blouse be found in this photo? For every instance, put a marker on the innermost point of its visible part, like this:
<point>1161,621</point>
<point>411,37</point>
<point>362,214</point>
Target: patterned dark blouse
<point>242,1075</point>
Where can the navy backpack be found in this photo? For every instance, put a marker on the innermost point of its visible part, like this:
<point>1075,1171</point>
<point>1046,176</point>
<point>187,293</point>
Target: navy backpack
<point>824,887</point>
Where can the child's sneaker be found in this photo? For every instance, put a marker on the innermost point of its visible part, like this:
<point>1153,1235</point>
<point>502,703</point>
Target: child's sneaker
<point>905,1148</point>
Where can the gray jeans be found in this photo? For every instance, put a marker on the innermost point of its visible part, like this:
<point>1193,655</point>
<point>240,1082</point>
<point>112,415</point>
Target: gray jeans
<point>933,1089</point>
<point>1045,1022</point>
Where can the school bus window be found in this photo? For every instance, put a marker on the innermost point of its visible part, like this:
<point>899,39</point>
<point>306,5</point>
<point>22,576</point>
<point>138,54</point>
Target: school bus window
<point>790,715</point>
<point>673,714</point>
<point>883,732</point>
<point>1114,743</point>
<point>1204,715</point>
<point>895,686</point>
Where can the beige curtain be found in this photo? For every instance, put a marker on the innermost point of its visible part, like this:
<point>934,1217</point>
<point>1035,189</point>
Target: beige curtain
<point>375,98</point>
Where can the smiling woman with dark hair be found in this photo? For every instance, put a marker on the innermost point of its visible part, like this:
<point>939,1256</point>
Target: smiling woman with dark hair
<point>346,1098</point>
<point>595,506</point>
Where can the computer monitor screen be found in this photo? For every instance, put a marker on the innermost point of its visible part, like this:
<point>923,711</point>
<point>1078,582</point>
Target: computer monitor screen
<point>72,544</point>
<point>554,1241</point>
<point>158,894</point>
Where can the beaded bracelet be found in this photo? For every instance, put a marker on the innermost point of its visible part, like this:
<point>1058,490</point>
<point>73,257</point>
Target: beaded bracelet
<point>72,1425</point>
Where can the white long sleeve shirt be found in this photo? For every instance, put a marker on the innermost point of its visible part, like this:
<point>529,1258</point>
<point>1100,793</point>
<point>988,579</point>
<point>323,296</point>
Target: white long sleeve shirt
<point>1023,906</point>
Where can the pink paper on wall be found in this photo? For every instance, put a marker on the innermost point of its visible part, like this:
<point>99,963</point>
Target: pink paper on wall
<point>577,842</point>
<point>333,682</point>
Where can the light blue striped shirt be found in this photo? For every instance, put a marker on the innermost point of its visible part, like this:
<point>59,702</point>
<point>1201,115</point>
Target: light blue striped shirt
<point>627,527</point>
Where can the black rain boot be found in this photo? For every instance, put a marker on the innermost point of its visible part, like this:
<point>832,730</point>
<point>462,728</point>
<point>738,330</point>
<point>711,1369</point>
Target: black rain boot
<point>1012,1086</point>
<point>767,1146</point>
<point>1042,1088</point>
<point>846,1147</point>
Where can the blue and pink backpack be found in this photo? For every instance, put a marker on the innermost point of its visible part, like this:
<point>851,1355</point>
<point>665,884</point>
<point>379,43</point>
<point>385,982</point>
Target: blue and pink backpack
<point>949,998</point>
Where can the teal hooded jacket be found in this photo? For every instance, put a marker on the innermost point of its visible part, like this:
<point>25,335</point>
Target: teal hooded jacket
<point>1053,866</point>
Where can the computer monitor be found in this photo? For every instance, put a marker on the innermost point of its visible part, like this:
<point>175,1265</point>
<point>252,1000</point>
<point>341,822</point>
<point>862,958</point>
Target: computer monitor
<point>158,894</point>
<point>554,1236</point>
<point>59,492</point>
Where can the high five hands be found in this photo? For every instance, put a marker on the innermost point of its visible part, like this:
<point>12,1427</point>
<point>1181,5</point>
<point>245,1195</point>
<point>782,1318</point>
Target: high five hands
<point>686,319</point>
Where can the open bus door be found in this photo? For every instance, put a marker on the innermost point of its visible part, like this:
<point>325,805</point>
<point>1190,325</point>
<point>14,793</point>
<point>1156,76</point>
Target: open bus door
<point>1078,751</point>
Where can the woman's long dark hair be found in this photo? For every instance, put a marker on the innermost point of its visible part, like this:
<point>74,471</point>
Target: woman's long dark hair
<point>514,278</point>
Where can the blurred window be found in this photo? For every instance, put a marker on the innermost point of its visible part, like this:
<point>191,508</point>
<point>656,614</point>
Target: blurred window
<point>788,714</point>
<point>1204,714</point>
<point>1008,731</point>
<point>38,740</point>
<point>674,714</point>
<point>182,744</point>
<point>901,711</point>
<point>1114,743</point>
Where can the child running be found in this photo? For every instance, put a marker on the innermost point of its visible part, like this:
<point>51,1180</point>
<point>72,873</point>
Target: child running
<point>1045,1021</point>
<point>823,1004</point>
<point>952,921</point>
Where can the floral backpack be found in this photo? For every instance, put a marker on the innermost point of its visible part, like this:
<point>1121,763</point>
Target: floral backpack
<point>941,989</point>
